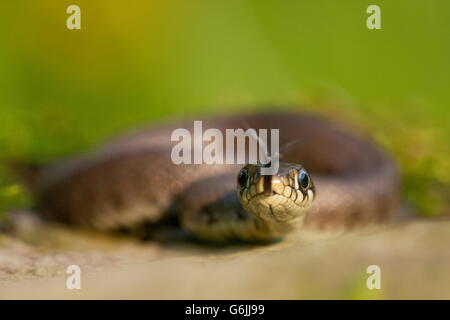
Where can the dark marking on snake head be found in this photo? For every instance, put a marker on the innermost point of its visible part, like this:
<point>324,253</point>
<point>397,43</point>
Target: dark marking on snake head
<point>267,183</point>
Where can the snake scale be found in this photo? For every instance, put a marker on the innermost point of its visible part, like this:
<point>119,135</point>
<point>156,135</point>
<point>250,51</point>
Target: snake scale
<point>329,178</point>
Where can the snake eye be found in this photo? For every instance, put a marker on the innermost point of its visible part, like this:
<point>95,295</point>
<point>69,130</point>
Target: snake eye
<point>303,179</point>
<point>242,177</point>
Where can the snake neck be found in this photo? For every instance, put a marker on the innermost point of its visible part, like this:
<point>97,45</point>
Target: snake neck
<point>224,220</point>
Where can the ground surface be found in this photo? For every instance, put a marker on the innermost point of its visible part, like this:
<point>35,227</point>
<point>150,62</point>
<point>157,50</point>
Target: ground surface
<point>413,257</point>
<point>133,63</point>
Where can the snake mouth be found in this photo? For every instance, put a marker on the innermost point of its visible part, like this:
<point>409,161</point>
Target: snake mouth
<point>279,197</point>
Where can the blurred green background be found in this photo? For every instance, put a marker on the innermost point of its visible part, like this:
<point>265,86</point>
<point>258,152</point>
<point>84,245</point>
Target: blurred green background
<point>134,62</point>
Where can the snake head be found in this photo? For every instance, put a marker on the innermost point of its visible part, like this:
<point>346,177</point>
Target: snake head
<point>278,198</point>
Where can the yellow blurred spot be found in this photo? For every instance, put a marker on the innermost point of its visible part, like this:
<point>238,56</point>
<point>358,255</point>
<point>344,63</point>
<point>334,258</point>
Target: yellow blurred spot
<point>11,190</point>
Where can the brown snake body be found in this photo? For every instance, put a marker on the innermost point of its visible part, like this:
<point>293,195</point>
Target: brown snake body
<point>132,181</point>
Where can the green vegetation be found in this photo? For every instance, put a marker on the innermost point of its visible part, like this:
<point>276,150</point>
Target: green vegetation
<point>135,62</point>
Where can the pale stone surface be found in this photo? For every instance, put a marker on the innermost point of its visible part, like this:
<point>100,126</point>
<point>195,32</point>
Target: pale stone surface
<point>414,258</point>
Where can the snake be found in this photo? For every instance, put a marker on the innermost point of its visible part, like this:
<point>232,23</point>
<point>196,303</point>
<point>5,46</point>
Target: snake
<point>328,178</point>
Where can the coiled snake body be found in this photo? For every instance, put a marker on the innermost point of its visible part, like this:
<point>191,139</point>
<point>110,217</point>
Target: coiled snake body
<point>132,181</point>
